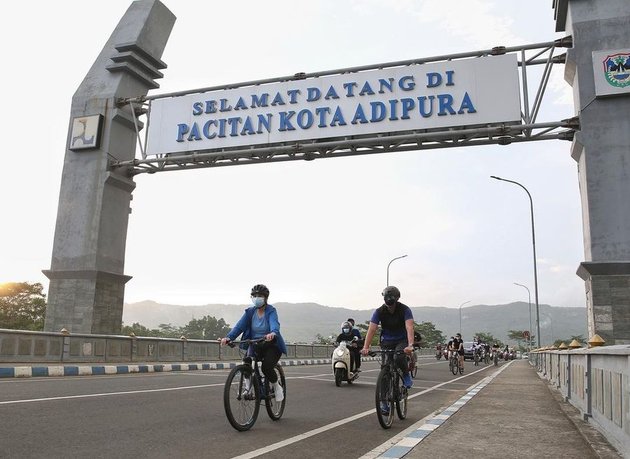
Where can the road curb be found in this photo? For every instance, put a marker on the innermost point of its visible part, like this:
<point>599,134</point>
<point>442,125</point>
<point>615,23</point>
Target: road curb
<point>28,371</point>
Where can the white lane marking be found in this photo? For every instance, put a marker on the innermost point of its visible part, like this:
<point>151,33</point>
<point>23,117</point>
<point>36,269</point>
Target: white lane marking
<point>108,394</point>
<point>170,374</point>
<point>311,433</point>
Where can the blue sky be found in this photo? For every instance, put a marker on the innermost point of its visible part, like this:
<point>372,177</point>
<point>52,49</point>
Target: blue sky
<point>320,231</point>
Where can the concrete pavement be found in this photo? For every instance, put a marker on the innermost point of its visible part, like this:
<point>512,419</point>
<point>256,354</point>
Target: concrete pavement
<point>511,415</point>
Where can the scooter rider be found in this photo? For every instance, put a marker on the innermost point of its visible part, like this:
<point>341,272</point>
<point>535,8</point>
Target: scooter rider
<point>396,321</point>
<point>347,335</point>
<point>356,346</point>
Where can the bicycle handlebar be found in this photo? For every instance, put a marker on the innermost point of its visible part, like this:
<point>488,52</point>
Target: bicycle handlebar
<point>385,351</point>
<point>246,341</point>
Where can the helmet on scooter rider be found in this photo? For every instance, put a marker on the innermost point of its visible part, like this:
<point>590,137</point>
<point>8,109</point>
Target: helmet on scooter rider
<point>346,327</point>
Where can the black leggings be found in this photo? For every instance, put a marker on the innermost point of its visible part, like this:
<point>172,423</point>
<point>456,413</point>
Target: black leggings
<point>356,353</point>
<point>268,354</point>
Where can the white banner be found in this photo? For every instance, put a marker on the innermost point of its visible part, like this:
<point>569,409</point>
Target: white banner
<point>477,91</point>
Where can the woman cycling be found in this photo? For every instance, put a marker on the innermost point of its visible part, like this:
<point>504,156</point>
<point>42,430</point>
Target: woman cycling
<point>261,321</point>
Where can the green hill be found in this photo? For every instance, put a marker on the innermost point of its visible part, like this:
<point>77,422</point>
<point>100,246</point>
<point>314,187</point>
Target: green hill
<point>302,322</point>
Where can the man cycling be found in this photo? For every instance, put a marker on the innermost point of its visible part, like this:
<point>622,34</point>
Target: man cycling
<point>477,350</point>
<point>457,345</point>
<point>417,338</point>
<point>396,320</point>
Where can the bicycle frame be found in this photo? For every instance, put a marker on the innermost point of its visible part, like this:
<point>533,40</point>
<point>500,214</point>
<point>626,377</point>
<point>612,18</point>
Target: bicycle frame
<point>390,390</point>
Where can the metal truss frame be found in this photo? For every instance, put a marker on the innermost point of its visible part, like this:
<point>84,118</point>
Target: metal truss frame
<point>502,134</point>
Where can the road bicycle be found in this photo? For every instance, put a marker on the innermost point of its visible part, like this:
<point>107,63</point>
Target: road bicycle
<point>453,364</point>
<point>390,390</point>
<point>246,388</point>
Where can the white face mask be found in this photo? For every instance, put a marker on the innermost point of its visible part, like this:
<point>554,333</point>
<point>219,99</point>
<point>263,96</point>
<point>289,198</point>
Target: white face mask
<point>258,301</point>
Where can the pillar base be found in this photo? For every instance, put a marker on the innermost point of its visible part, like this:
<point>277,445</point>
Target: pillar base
<point>85,301</point>
<point>607,299</point>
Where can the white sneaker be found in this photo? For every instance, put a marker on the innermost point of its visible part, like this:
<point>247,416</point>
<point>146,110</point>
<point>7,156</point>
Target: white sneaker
<point>278,391</point>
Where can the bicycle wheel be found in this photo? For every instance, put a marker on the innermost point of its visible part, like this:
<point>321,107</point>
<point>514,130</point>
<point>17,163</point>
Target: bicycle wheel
<point>454,365</point>
<point>241,405</point>
<point>401,398</point>
<point>275,408</point>
<point>414,370</point>
<point>385,398</point>
<point>476,359</point>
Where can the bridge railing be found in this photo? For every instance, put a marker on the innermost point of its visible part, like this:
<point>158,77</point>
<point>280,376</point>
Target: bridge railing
<point>597,382</point>
<point>50,347</point>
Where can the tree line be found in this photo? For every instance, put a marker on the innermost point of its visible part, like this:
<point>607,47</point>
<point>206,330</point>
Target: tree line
<point>23,307</point>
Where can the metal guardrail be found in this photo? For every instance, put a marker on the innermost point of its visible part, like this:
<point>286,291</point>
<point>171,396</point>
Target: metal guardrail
<point>48,347</point>
<point>596,381</point>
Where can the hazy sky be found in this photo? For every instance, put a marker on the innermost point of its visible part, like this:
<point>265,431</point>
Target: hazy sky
<point>320,231</point>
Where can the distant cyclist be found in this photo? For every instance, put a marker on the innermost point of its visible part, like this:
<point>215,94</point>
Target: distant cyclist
<point>261,321</point>
<point>396,320</point>
<point>449,347</point>
<point>457,346</point>
<point>417,338</point>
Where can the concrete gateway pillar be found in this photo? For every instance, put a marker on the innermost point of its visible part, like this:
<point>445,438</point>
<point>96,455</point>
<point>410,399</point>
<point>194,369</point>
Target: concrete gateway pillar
<point>598,69</point>
<point>87,280</point>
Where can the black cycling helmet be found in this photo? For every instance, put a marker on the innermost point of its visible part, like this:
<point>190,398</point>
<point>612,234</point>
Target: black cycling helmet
<point>260,289</point>
<point>346,326</point>
<point>392,291</point>
<point>351,320</point>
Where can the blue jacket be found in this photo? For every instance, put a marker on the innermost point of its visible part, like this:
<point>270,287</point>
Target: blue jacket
<point>244,326</point>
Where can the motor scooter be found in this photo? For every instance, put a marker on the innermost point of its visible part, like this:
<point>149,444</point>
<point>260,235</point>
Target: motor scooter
<point>341,363</point>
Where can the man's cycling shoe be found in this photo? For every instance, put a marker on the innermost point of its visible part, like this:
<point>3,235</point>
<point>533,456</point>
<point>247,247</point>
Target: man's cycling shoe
<point>407,381</point>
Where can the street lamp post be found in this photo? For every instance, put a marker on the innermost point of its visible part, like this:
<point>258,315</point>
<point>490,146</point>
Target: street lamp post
<point>531,209</point>
<point>393,259</point>
<point>460,315</point>
<point>529,298</point>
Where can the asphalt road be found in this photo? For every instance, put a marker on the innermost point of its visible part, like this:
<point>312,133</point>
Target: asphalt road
<point>181,414</point>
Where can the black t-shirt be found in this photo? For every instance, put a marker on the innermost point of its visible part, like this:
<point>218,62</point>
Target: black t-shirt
<point>393,327</point>
<point>456,344</point>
